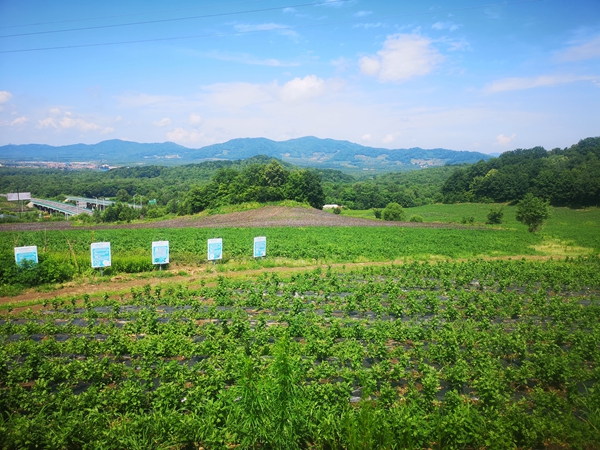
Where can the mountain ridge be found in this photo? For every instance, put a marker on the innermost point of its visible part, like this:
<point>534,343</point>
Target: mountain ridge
<point>304,151</point>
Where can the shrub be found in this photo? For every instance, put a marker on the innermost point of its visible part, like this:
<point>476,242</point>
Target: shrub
<point>377,213</point>
<point>467,220</point>
<point>393,212</point>
<point>533,211</point>
<point>415,218</point>
<point>337,210</point>
<point>495,215</point>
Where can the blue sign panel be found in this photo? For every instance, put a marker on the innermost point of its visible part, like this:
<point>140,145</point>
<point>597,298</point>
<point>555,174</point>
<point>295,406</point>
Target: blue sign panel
<point>101,254</point>
<point>160,252</point>
<point>260,246</point>
<point>23,254</point>
<point>215,249</point>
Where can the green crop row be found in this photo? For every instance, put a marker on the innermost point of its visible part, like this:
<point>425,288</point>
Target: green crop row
<point>478,354</point>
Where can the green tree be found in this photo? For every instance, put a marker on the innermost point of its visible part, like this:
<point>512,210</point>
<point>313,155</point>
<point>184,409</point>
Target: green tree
<point>123,196</point>
<point>393,211</point>
<point>495,215</point>
<point>533,211</point>
<point>305,186</point>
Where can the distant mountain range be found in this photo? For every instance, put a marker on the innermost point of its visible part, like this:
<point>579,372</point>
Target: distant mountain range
<point>305,151</point>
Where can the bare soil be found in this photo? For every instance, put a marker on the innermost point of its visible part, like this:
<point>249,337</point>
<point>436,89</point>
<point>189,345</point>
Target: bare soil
<point>268,216</point>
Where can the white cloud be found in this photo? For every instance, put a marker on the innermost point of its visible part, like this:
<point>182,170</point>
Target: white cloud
<point>181,135</point>
<point>69,121</point>
<point>332,3</point>
<point>445,26</point>
<point>165,121</point>
<point>340,63</point>
<point>300,89</point>
<point>289,10</point>
<point>5,96</point>
<point>279,28</point>
<point>587,50</point>
<point>515,84</point>
<point>368,26</point>
<point>389,138</point>
<point>403,57</point>
<point>503,141</point>
<point>362,13</point>
<point>237,95</point>
<point>250,60</point>
<point>195,119</point>
<point>19,121</point>
<point>135,100</point>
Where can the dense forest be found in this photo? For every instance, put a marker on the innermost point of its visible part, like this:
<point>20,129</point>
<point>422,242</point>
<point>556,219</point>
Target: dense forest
<point>565,177</point>
<point>174,186</point>
<point>568,177</point>
<point>256,183</point>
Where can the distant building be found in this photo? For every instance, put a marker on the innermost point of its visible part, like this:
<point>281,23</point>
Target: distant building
<point>331,206</point>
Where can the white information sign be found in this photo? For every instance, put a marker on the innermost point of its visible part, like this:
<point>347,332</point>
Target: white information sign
<point>215,249</point>
<point>260,246</point>
<point>23,254</point>
<point>160,252</point>
<point>16,196</point>
<point>101,255</point>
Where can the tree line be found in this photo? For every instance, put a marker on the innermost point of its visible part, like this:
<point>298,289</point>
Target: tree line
<point>567,177</point>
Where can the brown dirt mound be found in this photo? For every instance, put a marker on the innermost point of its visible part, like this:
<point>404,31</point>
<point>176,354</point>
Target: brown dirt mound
<point>268,216</point>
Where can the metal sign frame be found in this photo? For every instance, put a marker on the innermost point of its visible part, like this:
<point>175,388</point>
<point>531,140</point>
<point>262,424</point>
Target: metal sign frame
<point>17,196</point>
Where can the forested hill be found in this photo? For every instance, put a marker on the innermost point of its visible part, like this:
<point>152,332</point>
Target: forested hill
<point>306,151</point>
<point>567,177</point>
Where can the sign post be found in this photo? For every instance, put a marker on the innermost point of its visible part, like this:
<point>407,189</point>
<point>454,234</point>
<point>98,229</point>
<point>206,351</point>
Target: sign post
<point>23,254</point>
<point>160,253</point>
<point>18,197</point>
<point>260,247</point>
<point>101,257</point>
<point>215,249</point>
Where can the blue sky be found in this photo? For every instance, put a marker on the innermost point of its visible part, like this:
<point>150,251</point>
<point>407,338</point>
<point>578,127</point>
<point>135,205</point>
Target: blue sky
<point>461,74</point>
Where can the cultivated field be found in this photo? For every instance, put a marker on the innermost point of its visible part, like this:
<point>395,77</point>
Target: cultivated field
<point>343,337</point>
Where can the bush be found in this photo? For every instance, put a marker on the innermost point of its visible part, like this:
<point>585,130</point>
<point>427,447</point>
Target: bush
<point>393,212</point>
<point>416,218</point>
<point>533,211</point>
<point>467,220</point>
<point>495,215</point>
<point>337,210</point>
<point>49,270</point>
<point>377,213</point>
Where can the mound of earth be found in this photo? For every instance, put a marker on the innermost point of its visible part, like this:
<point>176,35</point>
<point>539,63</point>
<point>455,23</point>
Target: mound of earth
<point>267,216</point>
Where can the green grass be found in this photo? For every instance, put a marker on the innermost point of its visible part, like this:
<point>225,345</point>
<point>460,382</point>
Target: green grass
<point>362,213</point>
<point>566,227</point>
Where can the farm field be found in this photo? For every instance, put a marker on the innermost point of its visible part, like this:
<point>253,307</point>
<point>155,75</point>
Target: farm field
<point>425,355</point>
<point>65,255</point>
<point>433,343</point>
<point>573,227</point>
